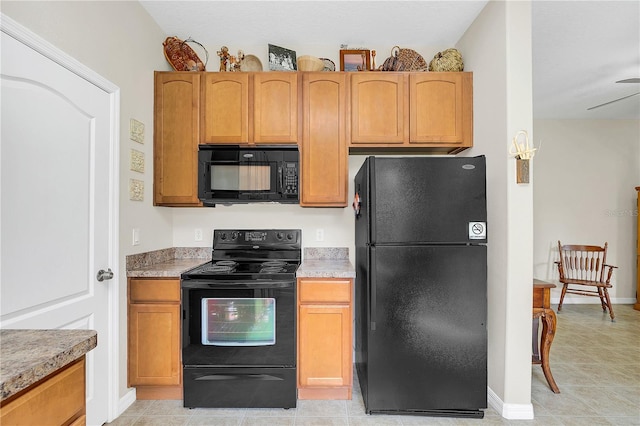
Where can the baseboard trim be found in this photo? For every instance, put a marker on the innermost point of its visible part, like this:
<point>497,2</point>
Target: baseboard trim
<point>586,300</point>
<point>125,402</point>
<point>509,411</point>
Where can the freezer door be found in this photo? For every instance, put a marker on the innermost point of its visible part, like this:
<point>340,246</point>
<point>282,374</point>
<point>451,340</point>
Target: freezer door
<point>428,199</point>
<point>427,345</point>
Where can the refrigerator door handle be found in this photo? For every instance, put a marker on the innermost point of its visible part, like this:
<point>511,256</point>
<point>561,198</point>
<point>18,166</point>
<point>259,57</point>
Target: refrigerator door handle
<point>372,291</point>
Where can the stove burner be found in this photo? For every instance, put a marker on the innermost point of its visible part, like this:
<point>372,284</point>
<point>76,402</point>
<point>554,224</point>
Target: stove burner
<point>272,266</point>
<point>221,266</point>
<point>226,263</point>
<point>271,269</point>
<point>272,263</point>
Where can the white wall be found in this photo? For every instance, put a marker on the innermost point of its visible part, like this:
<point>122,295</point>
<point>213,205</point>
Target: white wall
<point>497,47</point>
<point>122,43</point>
<point>586,174</point>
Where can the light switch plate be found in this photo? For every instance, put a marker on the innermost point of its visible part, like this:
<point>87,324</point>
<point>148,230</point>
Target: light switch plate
<point>136,131</point>
<point>135,241</point>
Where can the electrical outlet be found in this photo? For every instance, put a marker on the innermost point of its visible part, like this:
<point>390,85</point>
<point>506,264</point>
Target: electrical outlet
<point>319,234</point>
<point>135,239</point>
<point>197,234</point>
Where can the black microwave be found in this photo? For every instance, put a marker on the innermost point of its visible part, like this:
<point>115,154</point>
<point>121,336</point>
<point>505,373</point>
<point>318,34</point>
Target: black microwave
<point>232,174</point>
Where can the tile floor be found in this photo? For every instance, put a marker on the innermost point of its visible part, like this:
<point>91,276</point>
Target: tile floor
<point>596,364</point>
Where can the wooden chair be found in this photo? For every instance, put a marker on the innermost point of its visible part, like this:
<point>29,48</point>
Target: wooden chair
<point>585,266</point>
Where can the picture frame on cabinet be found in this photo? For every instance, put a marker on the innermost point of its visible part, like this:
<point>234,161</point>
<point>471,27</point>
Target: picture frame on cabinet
<point>355,60</point>
<point>282,59</point>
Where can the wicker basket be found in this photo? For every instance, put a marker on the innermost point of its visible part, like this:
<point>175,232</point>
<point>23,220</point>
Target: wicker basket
<point>181,56</point>
<point>404,60</point>
<point>447,60</point>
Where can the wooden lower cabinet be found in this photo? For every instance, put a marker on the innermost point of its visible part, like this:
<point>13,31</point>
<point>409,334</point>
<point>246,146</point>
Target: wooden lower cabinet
<point>58,399</point>
<point>154,338</point>
<point>325,336</point>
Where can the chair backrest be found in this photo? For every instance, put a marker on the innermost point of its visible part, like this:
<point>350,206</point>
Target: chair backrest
<point>583,263</point>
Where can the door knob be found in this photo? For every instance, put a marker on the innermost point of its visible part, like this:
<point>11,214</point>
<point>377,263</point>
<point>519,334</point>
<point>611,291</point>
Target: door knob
<point>104,275</point>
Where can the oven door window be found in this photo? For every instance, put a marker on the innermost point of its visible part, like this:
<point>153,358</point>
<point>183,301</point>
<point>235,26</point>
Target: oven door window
<point>238,322</point>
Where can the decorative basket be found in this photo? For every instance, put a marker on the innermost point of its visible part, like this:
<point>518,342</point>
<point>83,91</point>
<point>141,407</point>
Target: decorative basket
<point>447,60</point>
<point>404,60</point>
<point>310,63</point>
<point>182,57</point>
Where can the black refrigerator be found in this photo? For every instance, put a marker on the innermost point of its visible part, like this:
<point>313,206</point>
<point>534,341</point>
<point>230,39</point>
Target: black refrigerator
<point>421,285</point>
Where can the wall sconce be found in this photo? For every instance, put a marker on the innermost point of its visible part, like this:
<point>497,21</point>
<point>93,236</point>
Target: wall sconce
<point>523,153</point>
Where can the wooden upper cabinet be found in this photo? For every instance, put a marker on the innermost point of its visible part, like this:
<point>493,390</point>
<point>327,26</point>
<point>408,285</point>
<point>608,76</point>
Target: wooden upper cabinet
<point>424,111</point>
<point>225,108</point>
<point>441,107</point>
<point>176,136</point>
<point>323,150</point>
<point>275,107</point>
<point>379,106</point>
<point>241,108</point>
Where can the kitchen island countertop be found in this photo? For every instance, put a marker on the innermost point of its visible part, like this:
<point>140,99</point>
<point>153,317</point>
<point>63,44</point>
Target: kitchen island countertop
<point>27,356</point>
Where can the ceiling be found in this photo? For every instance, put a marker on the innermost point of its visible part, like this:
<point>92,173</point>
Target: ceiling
<point>580,48</point>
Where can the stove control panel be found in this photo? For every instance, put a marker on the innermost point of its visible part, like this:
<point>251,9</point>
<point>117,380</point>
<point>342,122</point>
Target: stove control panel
<point>257,237</point>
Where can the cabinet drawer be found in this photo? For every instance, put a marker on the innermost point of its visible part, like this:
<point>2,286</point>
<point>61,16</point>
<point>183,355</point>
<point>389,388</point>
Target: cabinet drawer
<point>154,290</point>
<point>329,290</point>
<point>55,401</point>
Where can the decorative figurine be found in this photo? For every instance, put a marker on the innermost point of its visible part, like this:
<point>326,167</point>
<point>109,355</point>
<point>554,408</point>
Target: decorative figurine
<point>224,57</point>
<point>373,60</point>
<point>236,62</point>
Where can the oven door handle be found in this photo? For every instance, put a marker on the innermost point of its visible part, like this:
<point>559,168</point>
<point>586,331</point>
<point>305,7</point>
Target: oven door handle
<point>236,284</point>
<point>258,377</point>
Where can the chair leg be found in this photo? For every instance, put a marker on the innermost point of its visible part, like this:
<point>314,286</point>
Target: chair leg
<point>606,295</point>
<point>603,304</point>
<point>564,291</point>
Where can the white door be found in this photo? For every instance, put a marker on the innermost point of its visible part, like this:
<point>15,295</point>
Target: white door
<point>58,208</point>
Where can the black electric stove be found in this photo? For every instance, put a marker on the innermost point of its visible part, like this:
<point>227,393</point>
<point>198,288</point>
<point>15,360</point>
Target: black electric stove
<point>246,255</point>
<point>239,321</point>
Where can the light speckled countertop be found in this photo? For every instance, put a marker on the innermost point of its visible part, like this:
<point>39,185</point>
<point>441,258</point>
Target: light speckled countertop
<point>27,356</point>
<point>326,262</point>
<point>169,262</point>
<point>323,262</point>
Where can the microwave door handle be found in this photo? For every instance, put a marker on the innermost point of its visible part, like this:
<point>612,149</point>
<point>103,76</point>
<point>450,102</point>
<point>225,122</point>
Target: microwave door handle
<point>280,181</point>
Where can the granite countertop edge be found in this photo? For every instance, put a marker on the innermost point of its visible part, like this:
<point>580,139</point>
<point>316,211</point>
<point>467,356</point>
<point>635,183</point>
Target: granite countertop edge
<point>326,262</point>
<point>166,263</point>
<point>28,356</point>
<point>321,262</point>
<point>331,270</point>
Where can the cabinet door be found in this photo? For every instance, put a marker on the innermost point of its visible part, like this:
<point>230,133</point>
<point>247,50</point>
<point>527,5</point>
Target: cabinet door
<point>324,345</point>
<point>275,107</point>
<point>324,148</point>
<point>154,344</point>
<point>176,135</point>
<point>441,108</point>
<point>225,108</point>
<point>379,106</point>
